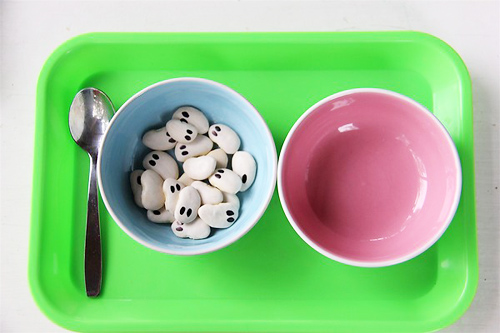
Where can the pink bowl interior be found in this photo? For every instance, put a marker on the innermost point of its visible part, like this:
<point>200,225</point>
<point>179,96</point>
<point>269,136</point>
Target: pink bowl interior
<point>370,178</point>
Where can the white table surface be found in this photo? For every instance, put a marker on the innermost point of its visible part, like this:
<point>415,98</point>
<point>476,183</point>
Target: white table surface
<point>31,30</point>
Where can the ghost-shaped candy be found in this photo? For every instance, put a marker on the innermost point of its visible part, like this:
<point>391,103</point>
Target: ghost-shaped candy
<point>171,189</point>
<point>225,138</point>
<point>226,181</point>
<point>199,168</point>
<point>208,194</point>
<point>152,196</point>
<point>243,165</point>
<point>222,215</point>
<point>200,146</point>
<point>181,131</point>
<point>162,163</point>
<point>194,230</point>
<point>187,206</point>
<point>158,139</point>
<point>192,116</point>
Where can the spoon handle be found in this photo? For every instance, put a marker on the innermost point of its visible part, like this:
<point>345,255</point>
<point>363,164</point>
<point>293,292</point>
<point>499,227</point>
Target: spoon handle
<point>93,259</point>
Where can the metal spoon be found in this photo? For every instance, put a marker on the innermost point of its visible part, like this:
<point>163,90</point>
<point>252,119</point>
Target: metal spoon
<point>89,117</point>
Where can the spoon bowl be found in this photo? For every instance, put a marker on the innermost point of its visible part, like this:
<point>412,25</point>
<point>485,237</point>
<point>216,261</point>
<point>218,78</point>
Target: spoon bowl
<point>89,116</point>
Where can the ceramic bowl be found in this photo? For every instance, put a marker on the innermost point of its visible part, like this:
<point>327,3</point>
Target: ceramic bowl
<point>122,152</point>
<point>369,177</point>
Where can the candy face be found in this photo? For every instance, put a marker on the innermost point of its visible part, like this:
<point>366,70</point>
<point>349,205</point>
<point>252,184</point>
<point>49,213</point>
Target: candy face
<point>200,146</point>
<point>208,194</point>
<point>187,205</point>
<point>225,138</point>
<point>226,181</point>
<point>158,139</point>
<point>171,189</point>
<point>192,116</point>
<point>152,196</point>
<point>222,215</point>
<point>162,163</point>
<point>220,157</point>
<point>199,168</point>
<point>185,179</point>
<point>195,230</point>
<point>160,216</point>
<point>181,131</point>
<point>244,166</point>
<point>136,184</point>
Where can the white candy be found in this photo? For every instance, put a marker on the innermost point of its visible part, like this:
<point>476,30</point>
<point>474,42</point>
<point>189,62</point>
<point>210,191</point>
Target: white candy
<point>152,196</point>
<point>200,146</point>
<point>181,131</point>
<point>162,163</point>
<point>160,216</point>
<point>158,139</point>
<point>231,199</point>
<point>136,184</point>
<point>225,137</point>
<point>243,165</point>
<point>220,157</point>
<point>193,116</point>
<point>194,230</point>
<point>184,179</point>
<point>222,215</point>
<point>208,194</point>
<point>187,205</point>
<point>171,189</point>
<point>199,168</point>
<point>226,181</point>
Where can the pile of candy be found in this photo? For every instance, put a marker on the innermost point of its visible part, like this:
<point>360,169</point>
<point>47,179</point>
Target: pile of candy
<point>204,196</point>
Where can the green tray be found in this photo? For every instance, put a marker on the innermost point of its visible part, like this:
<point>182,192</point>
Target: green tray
<point>270,280</point>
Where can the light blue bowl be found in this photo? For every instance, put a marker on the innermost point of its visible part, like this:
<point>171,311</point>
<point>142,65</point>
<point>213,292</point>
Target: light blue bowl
<point>122,152</point>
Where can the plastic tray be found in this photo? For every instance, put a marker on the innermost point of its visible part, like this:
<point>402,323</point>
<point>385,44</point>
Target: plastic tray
<point>270,280</point>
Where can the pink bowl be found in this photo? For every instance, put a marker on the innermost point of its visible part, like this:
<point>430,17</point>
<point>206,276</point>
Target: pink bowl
<point>369,177</point>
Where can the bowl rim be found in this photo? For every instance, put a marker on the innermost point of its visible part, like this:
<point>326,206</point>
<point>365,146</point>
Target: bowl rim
<point>378,263</point>
<point>224,242</point>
